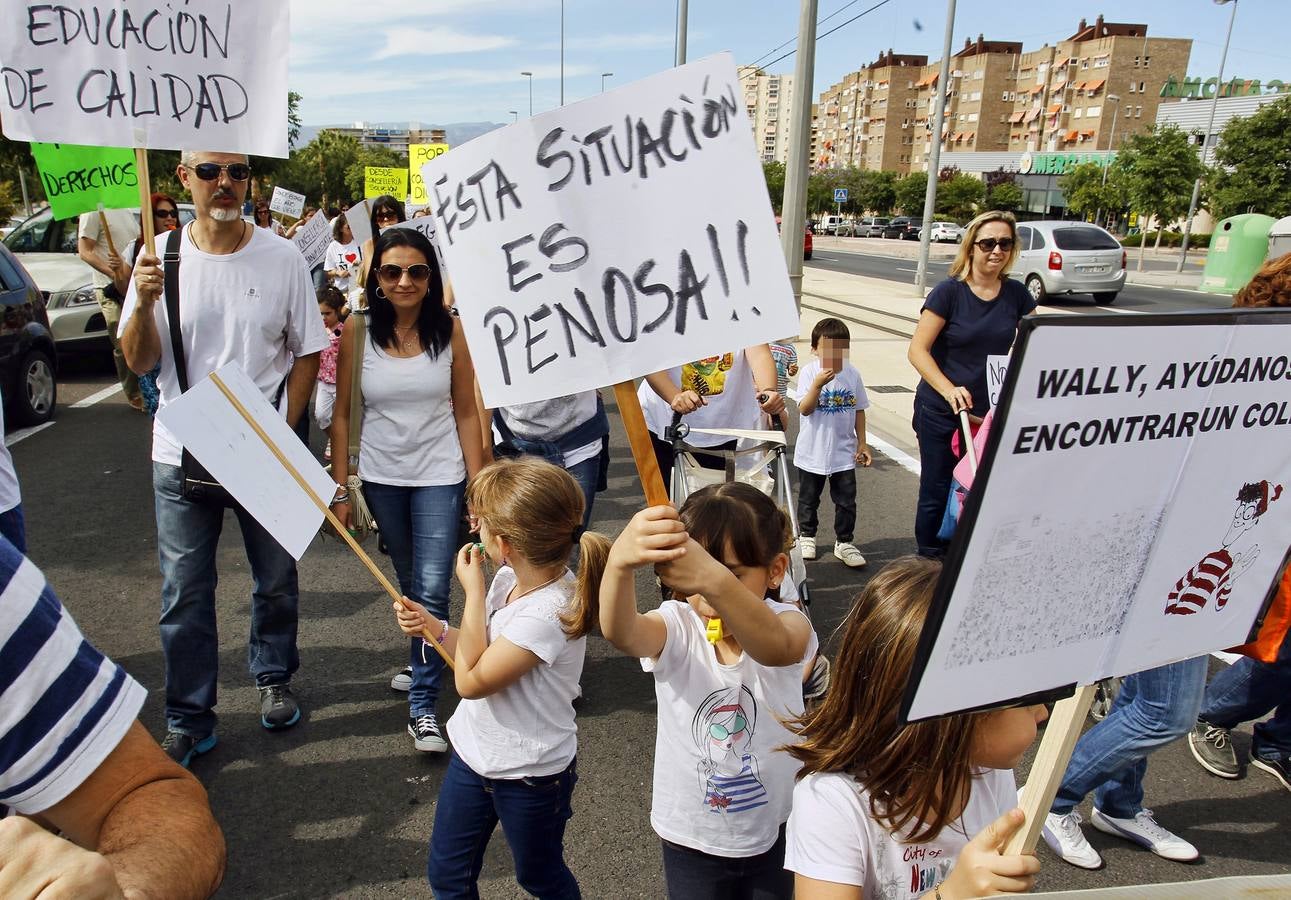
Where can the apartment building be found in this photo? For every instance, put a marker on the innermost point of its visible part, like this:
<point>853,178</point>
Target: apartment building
<point>867,119</point>
<point>392,137</point>
<point>769,100</point>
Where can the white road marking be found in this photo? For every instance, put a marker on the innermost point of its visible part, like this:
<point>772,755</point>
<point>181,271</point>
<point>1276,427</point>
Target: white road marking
<point>900,457</point>
<point>96,397</point>
<point>22,434</point>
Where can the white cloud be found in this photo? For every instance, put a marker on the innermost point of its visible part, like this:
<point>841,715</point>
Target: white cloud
<point>426,84</point>
<point>627,42</point>
<point>436,41</point>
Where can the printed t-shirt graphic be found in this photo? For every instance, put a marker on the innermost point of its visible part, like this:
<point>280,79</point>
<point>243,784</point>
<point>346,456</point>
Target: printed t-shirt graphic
<point>707,377</point>
<point>728,770</point>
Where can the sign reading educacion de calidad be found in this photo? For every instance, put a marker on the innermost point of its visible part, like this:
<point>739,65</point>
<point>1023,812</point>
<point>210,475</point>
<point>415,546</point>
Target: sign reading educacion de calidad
<point>613,237</point>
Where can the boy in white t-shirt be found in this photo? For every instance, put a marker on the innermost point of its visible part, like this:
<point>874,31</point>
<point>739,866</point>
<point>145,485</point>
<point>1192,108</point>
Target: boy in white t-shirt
<point>832,401</point>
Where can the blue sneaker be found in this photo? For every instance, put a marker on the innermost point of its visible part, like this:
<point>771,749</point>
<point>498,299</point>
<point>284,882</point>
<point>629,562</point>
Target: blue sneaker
<point>183,747</point>
<point>278,707</point>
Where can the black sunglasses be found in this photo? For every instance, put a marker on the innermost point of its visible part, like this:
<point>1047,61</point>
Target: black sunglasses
<point>391,273</point>
<point>209,171</point>
<point>382,214</point>
<point>166,213</point>
<point>986,245</point>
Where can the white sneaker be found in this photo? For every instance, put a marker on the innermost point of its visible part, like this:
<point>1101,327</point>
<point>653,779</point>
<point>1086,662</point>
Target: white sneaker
<point>1144,830</point>
<point>1064,837</point>
<point>808,547</point>
<point>849,555</point>
<point>402,681</point>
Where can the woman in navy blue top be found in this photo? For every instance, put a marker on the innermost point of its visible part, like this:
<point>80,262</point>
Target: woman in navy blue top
<point>971,315</point>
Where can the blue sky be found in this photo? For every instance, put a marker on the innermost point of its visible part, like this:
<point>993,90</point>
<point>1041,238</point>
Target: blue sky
<point>442,61</point>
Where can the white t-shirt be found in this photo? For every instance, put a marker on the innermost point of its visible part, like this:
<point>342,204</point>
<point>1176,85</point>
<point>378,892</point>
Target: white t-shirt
<point>123,224</point>
<point>525,730</point>
<point>831,836</point>
<point>255,307</point>
<point>409,433</point>
<point>543,420</point>
<point>10,495</point>
<point>720,784</point>
<point>827,438</point>
<point>344,257</point>
<point>726,381</point>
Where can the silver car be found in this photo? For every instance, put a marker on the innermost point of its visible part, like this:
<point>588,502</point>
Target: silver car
<point>1069,258</point>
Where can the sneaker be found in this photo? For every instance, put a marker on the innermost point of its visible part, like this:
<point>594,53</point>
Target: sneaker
<point>278,707</point>
<point>1144,830</point>
<point>1279,767</point>
<point>817,682</point>
<point>808,547</point>
<point>402,681</point>
<point>425,734</point>
<point>850,556</point>
<point>1212,747</point>
<point>183,747</point>
<point>1064,837</point>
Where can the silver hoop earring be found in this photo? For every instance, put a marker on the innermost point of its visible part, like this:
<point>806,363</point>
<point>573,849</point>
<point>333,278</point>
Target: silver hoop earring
<point>380,293</point>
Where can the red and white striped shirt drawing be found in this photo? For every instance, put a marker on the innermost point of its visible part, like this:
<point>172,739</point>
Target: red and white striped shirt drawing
<point>1210,578</point>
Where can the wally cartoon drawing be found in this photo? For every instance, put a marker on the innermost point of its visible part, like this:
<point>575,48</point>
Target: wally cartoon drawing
<point>1213,577</point>
<point>723,731</point>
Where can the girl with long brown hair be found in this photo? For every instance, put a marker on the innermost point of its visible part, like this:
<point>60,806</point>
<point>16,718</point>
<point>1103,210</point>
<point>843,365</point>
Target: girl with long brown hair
<point>902,811</point>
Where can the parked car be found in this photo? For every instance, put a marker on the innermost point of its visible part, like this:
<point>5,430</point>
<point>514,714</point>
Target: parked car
<point>28,367</point>
<point>872,226</point>
<point>946,232</point>
<point>47,249</point>
<point>807,239</point>
<point>1069,258</point>
<point>905,228</point>
<point>831,224</point>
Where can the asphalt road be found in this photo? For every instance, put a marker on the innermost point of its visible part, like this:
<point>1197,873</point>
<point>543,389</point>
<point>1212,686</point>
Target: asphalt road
<point>341,806</point>
<point>1136,297</point>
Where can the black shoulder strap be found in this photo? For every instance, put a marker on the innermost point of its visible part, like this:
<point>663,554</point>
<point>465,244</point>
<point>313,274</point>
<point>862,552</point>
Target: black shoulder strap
<point>171,260</point>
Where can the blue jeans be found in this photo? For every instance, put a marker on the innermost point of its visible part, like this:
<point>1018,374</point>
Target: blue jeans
<point>419,525</point>
<point>14,528</point>
<point>533,813</point>
<point>1247,690</point>
<point>187,536</point>
<point>1153,708</point>
<point>586,474</point>
<point>693,875</point>
<point>934,428</point>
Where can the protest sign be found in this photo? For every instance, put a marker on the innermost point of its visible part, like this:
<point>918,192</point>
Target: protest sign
<point>78,179</point>
<point>360,220</point>
<point>614,237</point>
<point>996,368</point>
<point>379,180</point>
<point>313,237</point>
<point>418,156</point>
<point>224,442</point>
<point>1131,509</point>
<point>200,75</point>
<point>289,203</point>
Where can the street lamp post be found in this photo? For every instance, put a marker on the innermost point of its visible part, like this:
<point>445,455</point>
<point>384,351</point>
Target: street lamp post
<point>1111,145</point>
<point>794,209</point>
<point>605,75</point>
<point>562,52</point>
<point>934,156</point>
<point>529,75</point>
<point>1205,138</point>
<point>682,15</point>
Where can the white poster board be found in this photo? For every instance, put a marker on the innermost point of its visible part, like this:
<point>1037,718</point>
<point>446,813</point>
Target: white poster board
<point>426,226</point>
<point>289,203</point>
<point>212,429</point>
<point>614,237</point>
<point>996,368</point>
<point>313,237</point>
<point>1132,509</point>
<point>197,75</point>
<point>360,220</point>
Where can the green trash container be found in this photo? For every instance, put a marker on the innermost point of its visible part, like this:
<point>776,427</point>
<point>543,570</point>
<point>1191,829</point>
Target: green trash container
<point>1237,249</point>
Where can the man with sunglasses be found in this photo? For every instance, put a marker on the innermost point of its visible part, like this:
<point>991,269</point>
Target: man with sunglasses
<point>102,252</point>
<point>245,296</point>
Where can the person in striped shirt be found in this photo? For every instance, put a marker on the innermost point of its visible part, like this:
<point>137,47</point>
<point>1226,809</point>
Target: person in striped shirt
<point>74,759</point>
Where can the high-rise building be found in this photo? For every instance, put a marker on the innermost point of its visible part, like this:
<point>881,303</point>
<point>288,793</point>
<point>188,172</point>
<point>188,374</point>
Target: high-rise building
<point>979,99</point>
<point>769,100</point>
<point>392,137</point>
<point>867,119</point>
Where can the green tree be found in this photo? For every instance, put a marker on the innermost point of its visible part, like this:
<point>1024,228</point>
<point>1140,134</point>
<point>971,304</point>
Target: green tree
<point>371,156</point>
<point>1083,186</point>
<point>773,172</point>
<point>1157,169</point>
<point>1005,195</point>
<point>10,200</point>
<point>293,119</point>
<point>1254,171</point>
<point>876,192</point>
<point>959,195</point>
<point>908,193</point>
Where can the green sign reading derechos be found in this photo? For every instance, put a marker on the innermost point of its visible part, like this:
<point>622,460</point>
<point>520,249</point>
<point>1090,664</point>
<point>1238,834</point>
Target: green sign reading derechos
<point>1206,89</point>
<point>1059,163</point>
<point>77,179</point>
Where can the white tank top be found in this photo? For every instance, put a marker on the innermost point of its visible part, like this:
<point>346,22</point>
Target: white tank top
<point>409,433</point>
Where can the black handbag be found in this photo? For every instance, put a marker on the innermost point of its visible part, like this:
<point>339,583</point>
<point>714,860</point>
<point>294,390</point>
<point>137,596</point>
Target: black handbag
<point>199,485</point>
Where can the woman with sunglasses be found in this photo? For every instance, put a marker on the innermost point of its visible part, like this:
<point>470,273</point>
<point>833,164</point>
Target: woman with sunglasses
<point>386,211</point>
<point>971,315</point>
<point>264,217</point>
<point>420,439</point>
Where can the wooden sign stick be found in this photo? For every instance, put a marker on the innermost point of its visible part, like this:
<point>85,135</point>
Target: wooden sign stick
<point>634,424</point>
<point>968,441</point>
<point>327,511</point>
<point>107,233</point>
<point>145,200</point>
<point>1049,767</point>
